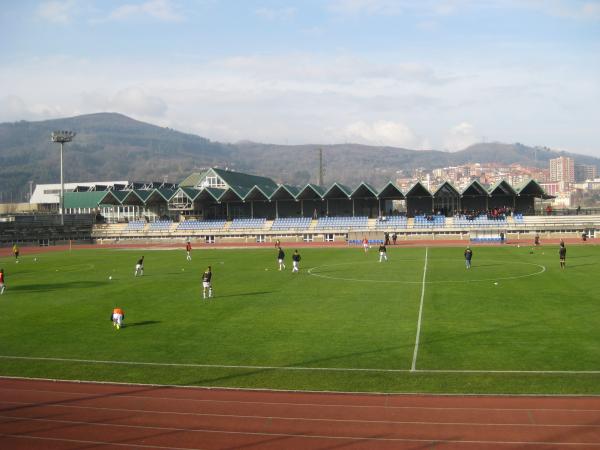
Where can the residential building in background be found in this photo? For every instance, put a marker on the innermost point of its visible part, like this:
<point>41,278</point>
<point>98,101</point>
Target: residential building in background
<point>585,172</point>
<point>562,169</point>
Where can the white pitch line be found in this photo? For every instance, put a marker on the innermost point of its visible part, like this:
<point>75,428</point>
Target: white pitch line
<point>301,368</point>
<point>413,368</point>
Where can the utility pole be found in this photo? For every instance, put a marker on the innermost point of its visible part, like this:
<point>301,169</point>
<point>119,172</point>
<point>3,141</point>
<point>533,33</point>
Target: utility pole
<point>321,170</point>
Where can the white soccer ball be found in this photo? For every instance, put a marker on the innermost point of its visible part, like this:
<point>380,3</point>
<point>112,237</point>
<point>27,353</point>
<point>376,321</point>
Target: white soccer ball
<point>110,277</point>
<point>183,270</point>
<point>34,259</point>
<point>496,283</point>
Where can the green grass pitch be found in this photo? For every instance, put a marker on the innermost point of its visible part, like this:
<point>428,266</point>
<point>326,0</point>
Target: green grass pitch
<point>514,323</point>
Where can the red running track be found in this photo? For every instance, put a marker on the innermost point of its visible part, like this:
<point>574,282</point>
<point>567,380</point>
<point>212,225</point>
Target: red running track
<point>57,415</point>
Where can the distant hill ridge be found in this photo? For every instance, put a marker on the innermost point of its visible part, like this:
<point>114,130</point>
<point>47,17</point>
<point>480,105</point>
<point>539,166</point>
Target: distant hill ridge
<point>114,146</point>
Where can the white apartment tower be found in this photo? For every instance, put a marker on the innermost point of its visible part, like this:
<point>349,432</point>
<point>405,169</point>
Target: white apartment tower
<point>562,169</point>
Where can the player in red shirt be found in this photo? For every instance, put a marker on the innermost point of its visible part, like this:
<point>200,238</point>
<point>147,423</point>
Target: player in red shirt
<point>1,281</point>
<point>188,249</point>
<point>117,317</point>
<point>366,244</point>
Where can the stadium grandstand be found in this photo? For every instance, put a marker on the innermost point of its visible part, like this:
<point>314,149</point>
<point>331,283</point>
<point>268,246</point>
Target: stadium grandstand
<point>223,205</point>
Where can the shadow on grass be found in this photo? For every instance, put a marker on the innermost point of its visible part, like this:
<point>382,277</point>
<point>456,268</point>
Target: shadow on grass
<point>47,287</point>
<point>244,294</point>
<point>141,324</point>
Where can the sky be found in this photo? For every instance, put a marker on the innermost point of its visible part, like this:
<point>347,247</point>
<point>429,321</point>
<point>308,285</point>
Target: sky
<point>422,74</point>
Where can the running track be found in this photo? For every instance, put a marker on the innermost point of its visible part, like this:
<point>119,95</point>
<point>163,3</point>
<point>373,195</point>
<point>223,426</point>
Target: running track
<point>56,415</point>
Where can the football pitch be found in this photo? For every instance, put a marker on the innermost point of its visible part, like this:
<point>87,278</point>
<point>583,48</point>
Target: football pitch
<point>420,322</point>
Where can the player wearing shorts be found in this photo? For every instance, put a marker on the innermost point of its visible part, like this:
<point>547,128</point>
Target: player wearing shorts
<point>117,318</point>
<point>281,258</point>
<point>468,256</point>
<point>207,283</point>
<point>295,261</point>
<point>382,253</point>
<point>16,253</point>
<point>139,267</point>
<point>188,249</point>
<point>2,281</point>
<point>562,254</point>
<point>365,244</point>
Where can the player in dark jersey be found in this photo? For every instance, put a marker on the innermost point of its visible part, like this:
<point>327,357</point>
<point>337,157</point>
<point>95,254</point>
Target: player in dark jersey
<point>295,261</point>
<point>468,256</point>
<point>562,254</point>
<point>139,267</point>
<point>2,281</point>
<point>207,283</point>
<point>280,259</point>
<point>382,253</point>
<point>188,249</point>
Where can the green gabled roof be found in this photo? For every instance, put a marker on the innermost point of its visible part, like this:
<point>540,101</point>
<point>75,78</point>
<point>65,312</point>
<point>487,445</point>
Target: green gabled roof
<point>540,190</point>
<point>215,192</point>
<point>477,186</point>
<point>167,194</point>
<point>366,186</point>
<point>239,192</point>
<point>313,187</point>
<point>120,195</point>
<point>291,190</point>
<point>252,193</point>
<point>91,199</point>
<point>143,194</point>
<point>243,182</point>
<point>345,190</point>
<point>446,184</point>
<point>418,186</point>
<point>190,192</point>
<point>192,180</point>
<point>395,194</point>
<point>499,185</point>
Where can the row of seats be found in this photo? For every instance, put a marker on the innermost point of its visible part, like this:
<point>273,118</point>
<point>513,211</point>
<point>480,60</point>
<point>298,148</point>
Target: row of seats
<point>190,225</point>
<point>391,222</point>
<point>342,222</point>
<point>481,221</point>
<point>161,225</point>
<point>135,225</point>
<point>428,222</point>
<point>242,224</point>
<point>291,223</point>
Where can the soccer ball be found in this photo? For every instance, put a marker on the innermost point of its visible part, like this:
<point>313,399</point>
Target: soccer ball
<point>34,259</point>
<point>496,283</point>
<point>110,278</point>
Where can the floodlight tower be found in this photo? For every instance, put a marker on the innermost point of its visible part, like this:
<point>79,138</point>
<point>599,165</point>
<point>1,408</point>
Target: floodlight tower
<point>62,137</point>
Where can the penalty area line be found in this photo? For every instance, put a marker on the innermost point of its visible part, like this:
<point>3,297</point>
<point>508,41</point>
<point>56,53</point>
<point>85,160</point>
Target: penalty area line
<point>413,367</point>
<point>291,368</point>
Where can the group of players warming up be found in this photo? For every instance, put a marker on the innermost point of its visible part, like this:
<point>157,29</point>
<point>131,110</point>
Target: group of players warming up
<point>118,315</point>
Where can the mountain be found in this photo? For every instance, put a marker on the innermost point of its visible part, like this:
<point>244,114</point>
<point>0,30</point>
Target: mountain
<point>114,146</point>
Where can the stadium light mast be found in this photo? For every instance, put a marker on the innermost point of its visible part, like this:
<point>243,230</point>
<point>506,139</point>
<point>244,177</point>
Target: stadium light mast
<point>62,137</point>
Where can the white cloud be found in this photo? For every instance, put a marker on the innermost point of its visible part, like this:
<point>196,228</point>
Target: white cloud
<point>276,13</point>
<point>13,107</point>
<point>357,7</point>
<point>382,132</point>
<point>571,9</point>
<point>162,10</point>
<point>460,137</point>
<point>56,11</point>
<point>131,100</point>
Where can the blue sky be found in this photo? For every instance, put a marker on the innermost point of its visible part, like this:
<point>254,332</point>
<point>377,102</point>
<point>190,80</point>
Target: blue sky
<point>417,74</point>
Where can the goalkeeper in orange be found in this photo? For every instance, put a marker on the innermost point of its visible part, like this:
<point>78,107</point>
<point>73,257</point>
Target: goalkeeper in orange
<point>117,317</point>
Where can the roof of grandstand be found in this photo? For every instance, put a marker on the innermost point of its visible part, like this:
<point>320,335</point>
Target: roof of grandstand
<point>221,185</point>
